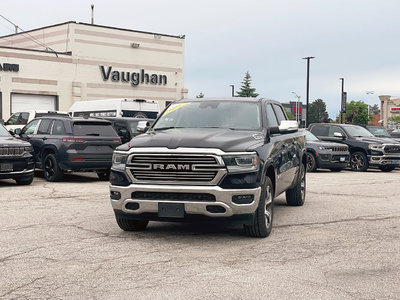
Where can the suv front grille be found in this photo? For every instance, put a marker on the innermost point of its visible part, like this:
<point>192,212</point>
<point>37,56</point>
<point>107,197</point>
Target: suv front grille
<point>392,149</point>
<point>11,151</point>
<point>339,149</point>
<point>175,168</point>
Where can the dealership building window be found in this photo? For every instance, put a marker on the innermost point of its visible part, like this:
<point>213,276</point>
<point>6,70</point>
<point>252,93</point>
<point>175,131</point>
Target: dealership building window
<point>52,67</point>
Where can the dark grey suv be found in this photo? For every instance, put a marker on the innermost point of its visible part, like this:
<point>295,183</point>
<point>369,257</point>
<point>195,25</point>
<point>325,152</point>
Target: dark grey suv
<point>71,144</point>
<point>325,155</point>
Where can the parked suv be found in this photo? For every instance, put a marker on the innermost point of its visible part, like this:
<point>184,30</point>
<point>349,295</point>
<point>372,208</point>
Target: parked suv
<point>326,155</point>
<point>366,150</point>
<point>20,119</point>
<point>126,127</point>
<point>16,159</point>
<point>71,144</point>
<point>218,159</point>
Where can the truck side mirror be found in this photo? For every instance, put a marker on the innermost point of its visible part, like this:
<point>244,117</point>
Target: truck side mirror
<point>339,135</point>
<point>143,126</point>
<point>17,131</point>
<point>288,126</point>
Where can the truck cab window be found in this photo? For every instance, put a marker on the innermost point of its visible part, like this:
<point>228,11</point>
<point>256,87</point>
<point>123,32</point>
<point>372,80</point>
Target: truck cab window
<point>280,115</point>
<point>272,121</point>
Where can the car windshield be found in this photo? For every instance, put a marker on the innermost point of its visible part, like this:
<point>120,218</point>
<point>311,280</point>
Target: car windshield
<point>358,131</point>
<point>378,131</point>
<point>235,115</point>
<point>3,131</point>
<point>310,136</point>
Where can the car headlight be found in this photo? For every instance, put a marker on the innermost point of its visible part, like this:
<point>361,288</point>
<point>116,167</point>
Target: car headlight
<point>119,160</point>
<point>376,147</point>
<point>241,163</point>
<point>324,148</point>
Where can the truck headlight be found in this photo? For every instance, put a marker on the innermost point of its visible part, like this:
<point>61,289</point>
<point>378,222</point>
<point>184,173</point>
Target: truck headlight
<point>376,147</point>
<point>119,159</point>
<point>241,163</point>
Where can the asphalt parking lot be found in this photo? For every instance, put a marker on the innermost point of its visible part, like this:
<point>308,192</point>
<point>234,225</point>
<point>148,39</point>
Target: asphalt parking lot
<point>60,240</point>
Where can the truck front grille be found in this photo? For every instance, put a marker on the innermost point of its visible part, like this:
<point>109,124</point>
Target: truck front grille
<point>175,168</point>
<point>11,151</point>
<point>392,148</point>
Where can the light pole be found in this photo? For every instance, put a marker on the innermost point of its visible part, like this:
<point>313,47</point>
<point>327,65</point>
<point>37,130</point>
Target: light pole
<point>233,90</point>
<point>341,101</point>
<point>308,85</point>
<point>297,106</point>
<point>369,93</point>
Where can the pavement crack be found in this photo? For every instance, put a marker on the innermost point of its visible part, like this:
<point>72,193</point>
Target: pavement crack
<point>22,286</point>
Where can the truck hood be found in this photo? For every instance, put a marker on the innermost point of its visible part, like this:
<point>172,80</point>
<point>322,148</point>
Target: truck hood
<point>376,140</point>
<point>9,141</point>
<point>224,139</point>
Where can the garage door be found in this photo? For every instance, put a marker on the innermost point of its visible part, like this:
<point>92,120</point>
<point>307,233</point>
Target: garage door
<point>23,102</point>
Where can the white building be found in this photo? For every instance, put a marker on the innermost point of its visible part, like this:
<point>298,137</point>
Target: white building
<point>390,107</point>
<point>52,67</point>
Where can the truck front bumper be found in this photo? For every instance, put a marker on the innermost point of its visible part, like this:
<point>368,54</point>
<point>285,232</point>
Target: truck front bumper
<point>210,201</point>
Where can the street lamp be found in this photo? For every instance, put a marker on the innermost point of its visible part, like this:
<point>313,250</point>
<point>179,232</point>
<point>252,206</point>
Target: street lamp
<point>233,90</point>
<point>341,102</point>
<point>308,85</point>
<point>297,106</point>
<point>369,93</point>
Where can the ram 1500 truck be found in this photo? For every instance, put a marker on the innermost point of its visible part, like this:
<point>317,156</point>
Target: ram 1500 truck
<point>221,159</point>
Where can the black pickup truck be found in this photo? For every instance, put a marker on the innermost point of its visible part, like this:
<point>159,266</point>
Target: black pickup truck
<point>366,150</point>
<point>210,158</point>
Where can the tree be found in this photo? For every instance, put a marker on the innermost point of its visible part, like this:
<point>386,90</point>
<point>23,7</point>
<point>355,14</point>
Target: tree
<point>201,95</point>
<point>375,109</point>
<point>357,113</point>
<point>394,120</point>
<point>317,112</point>
<point>246,90</point>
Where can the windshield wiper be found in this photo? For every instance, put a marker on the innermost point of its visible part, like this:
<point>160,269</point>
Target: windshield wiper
<point>165,128</point>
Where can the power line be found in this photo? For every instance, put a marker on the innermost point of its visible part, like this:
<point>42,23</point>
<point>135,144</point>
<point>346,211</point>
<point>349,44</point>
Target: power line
<point>47,48</point>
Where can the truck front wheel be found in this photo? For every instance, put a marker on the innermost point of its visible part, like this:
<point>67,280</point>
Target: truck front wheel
<point>262,224</point>
<point>131,225</point>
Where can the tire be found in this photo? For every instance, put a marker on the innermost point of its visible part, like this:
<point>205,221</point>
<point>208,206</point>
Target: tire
<point>51,170</point>
<point>131,225</point>
<point>359,162</point>
<point>336,169</point>
<point>387,168</point>
<point>297,195</point>
<point>104,175</point>
<point>263,216</point>
<point>25,181</point>
<point>311,162</point>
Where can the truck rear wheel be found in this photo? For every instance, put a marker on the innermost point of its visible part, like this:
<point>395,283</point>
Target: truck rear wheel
<point>262,224</point>
<point>297,195</point>
<point>131,225</point>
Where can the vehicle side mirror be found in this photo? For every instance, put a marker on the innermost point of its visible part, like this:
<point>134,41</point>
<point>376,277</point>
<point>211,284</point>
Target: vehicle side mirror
<point>288,126</point>
<point>17,131</point>
<point>339,135</point>
<point>143,126</point>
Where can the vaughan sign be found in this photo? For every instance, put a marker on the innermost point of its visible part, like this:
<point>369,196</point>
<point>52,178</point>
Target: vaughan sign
<point>135,78</point>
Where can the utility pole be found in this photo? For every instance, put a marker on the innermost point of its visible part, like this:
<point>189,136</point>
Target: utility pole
<point>233,90</point>
<point>308,85</point>
<point>341,102</point>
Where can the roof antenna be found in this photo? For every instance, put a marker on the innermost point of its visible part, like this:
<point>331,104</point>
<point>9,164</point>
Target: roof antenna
<point>92,6</point>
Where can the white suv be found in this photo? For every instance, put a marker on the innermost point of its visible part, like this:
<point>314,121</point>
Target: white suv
<point>21,118</point>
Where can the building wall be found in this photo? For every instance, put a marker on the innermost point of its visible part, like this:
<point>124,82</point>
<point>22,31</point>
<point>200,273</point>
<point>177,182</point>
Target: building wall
<point>77,75</point>
<point>387,105</point>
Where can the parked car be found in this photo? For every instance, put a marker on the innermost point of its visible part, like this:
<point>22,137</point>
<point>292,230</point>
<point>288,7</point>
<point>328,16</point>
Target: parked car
<point>20,119</point>
<point>71,144</point>
<point>16,159</point>
<point>381,132</point>
<point>366,150</point>
<point>218,159</point>
<point>126,128</point>
<point>325,155</point>
<point>395,133</point>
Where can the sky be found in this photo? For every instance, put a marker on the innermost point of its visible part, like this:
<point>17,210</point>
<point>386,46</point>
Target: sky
<point>354,39</point>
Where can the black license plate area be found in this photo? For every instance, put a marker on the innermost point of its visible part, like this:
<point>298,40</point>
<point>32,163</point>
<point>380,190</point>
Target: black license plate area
<point>171,210</point>
<point>6,167</point>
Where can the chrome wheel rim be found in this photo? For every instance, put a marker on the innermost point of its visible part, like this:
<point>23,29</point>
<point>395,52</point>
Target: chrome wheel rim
<point>268,207</point>
<point>303,182</point>
<point>357,162</point>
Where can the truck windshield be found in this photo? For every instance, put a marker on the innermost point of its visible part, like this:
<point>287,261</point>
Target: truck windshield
<point>234,115</point>
<point>358,131</point>
<point>379,131</point>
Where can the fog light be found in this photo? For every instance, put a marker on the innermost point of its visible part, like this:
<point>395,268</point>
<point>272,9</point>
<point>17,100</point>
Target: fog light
<point>132,206</point>
<point>215,209</point>
<point>115,195</point>
<point>243,199</point>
